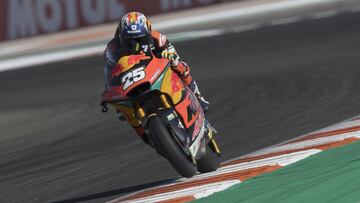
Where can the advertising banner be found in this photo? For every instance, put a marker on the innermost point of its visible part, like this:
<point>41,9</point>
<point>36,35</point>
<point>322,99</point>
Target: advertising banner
<point>25,18</point>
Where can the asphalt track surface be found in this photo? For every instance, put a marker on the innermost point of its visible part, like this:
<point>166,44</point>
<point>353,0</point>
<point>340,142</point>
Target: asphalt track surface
<point>265,86</point>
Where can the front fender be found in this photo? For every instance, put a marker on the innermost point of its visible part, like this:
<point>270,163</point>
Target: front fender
<point>175,126</point>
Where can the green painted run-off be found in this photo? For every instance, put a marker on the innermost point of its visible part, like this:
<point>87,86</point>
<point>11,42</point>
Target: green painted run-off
<point>329,176</point>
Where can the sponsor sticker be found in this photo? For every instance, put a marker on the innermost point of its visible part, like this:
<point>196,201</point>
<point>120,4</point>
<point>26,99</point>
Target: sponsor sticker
<point>170,117</point>
<point>133,27</point>
<point>156,74</point>
<point>133,31</point>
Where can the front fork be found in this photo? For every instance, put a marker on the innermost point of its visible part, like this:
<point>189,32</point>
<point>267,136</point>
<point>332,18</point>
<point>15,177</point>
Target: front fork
<point>211,133</point>
<point>141,112</point>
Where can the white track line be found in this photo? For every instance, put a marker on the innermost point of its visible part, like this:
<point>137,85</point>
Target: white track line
<point>207,189</point>
<point>309,143</point>
<point>245,28</point>
<point>284,21</point>
<point>339,126</point>
<point>241,12</point>
<point>184,36</point>
<point>281,160</point>
<point>196,191</point>
<point>44,58</point>
<point>325,14</point>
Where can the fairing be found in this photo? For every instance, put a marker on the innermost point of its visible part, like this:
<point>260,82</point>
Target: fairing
<point>185,119</point>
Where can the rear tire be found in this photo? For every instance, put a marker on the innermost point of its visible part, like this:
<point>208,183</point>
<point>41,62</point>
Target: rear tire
<point>210,161</point>
<point>169,148</point>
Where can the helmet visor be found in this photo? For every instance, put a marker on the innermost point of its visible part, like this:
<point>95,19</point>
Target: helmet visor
<point>135,44</point>
<point>134,31</point>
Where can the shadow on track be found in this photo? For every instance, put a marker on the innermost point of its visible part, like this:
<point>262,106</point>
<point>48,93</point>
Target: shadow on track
<point>117,192</point>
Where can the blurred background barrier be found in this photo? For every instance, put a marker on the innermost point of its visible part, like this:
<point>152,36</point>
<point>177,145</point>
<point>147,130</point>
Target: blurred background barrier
<point>25,18</point>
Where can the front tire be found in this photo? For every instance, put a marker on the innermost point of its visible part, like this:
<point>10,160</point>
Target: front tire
<point>210,161</point>
<point>169,148</point>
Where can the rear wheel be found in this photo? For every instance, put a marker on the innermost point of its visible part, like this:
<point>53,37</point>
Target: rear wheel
<point>210,161</point>
<point>169,148</point>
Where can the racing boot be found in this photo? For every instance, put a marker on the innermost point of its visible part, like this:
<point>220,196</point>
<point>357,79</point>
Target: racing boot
<point>195,89</point>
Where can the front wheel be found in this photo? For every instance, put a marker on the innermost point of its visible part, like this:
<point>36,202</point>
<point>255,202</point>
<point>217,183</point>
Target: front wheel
<point>169,148</point>
<point>210,161</point>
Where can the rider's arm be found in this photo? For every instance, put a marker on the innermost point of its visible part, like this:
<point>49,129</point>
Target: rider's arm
<point>162,43</point>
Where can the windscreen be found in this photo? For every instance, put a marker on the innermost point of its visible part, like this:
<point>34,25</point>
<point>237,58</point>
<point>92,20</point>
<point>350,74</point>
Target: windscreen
<point>126,66</point>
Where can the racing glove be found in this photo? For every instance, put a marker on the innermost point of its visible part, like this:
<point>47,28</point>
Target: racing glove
<point>172,56</point>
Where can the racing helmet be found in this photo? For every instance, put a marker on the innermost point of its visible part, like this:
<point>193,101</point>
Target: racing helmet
<point>134,30</point>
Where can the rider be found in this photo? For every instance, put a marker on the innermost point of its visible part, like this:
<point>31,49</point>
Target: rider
<point>133,35</point>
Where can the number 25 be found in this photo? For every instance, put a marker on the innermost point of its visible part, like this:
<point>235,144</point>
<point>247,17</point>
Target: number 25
<point>132,77</point>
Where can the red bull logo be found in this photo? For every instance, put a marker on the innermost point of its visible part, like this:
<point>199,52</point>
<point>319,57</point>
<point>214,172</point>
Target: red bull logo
<point>127,62</point>
<point>176,84</point>
<point>132,17</point>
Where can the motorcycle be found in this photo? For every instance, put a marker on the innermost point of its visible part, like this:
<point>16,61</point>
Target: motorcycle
<point>151,95</point>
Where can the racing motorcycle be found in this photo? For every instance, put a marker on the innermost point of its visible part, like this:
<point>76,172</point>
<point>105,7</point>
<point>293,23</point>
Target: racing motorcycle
<point>151,95</point>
